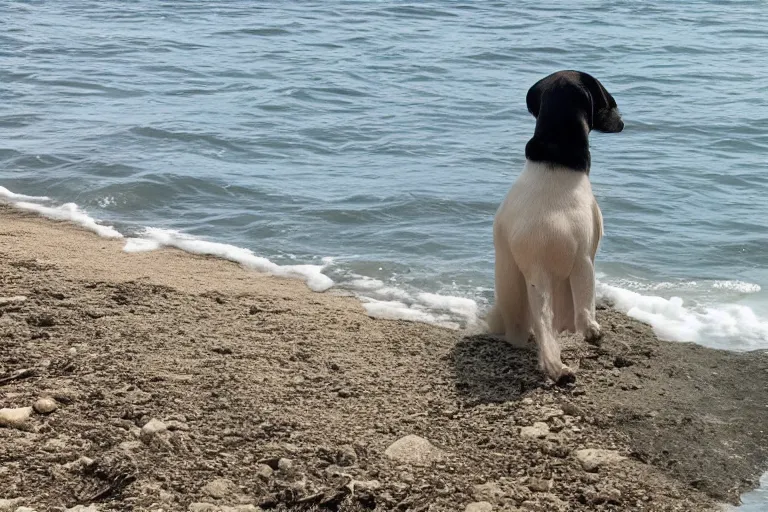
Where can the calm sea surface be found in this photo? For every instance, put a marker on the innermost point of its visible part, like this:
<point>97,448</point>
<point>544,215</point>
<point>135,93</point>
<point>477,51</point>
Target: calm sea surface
<point>376,139</point>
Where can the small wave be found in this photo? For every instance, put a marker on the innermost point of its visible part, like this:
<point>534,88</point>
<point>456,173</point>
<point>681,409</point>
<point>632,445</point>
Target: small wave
<point>155,238</point>
<point>72,213</point>
<point>394,303</point>
<point>737,286</point>
<point>7,194</point>
<point>730,326</point>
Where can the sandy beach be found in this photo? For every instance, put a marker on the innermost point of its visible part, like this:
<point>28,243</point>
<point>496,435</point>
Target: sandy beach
<point>178,382</point>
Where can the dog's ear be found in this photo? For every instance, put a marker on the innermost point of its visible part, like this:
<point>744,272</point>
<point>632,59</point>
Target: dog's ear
<point>605,116</point>
<point>533,98</point>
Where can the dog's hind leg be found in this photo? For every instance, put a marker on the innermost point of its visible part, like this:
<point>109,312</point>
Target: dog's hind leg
<point>510,315</point>
<point>583,287</point>
<point>540,300</point>
<point>562,304</point>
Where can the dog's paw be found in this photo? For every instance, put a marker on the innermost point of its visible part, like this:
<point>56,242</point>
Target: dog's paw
<point>593,334</point>
<point>566,377</point>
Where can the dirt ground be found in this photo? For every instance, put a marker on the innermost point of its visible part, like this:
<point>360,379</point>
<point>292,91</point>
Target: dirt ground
<point>182,382</point>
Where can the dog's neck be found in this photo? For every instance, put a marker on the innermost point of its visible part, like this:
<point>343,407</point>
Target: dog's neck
<point>560,141</point>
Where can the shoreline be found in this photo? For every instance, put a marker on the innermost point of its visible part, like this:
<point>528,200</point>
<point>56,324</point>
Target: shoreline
<point>244,369</point>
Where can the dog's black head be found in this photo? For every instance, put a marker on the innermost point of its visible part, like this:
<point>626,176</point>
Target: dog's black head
<point>568,105</point>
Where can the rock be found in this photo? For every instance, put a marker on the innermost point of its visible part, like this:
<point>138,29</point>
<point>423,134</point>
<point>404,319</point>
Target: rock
<point>130,446</point>
<point>297,380</point>
<point>489,491</point>
<point>527,401</point>
<point>344,393</point>
<point>202,507</point>
<point>14,418</point>
<point>219,488</point>
<point>176,425</point>
<point>591,458</point>
<point>81,464</point>
<point>45,405</point>
<point>415,450</point>
<point>540,485</point>
<point>611,495</point>
<point>346,456</point>
<point>264,472</point>
<point>151,429</point>
<point>138,397</point>
<point>479,506</point>
<point>12,300</point>
<point>539,430</point>
<point>291,448</point>
<point>82,508</point>
<point>284,464</point>
<point>547,413</point>
<point>72,351</point>
<point>25,509</point>
<point>364,485</point>
<point>8,505</point>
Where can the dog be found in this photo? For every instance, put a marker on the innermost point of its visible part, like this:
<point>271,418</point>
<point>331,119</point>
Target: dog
<point>548,228</point>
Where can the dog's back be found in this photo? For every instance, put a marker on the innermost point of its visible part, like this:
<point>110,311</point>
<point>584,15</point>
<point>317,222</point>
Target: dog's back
<point>548,217</point>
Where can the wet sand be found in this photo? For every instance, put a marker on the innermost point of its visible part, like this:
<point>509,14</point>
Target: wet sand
<point>183,382</point>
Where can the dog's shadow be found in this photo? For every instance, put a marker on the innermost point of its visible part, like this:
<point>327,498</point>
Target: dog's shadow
<point>490,370</point>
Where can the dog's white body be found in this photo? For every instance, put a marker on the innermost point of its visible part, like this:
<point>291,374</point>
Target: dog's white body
<point>546,234</point>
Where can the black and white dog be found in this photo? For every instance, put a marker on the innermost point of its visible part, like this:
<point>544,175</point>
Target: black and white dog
<point>547,230</point>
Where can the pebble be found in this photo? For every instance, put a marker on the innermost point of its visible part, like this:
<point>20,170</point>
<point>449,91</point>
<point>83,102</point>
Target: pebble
<point>45,405</point>
<point>489,491</point>
<point>138,397</point>
<point>346,456</point>
<point>202,507</point>
<point>591,458</point>
<point>82,508</point>
<point>479,506</point>
<point>14,418</point>
<point>414,450</point>
<point>176,425</point>
<point>151,429</point>
<point>548,413</point>
<point>12,300</point>
<point>72,351</point>
<point>129,446</point>
<point>298,380</point>
<point>611,495</point>
<point>284,464</point>
<point>365,485</point>
<point>25,509</point>
<point>219,488</point>
<point>527,401</point>
<point>537,431</point>
<point>540,485</point>
<point>8,505</point>
<point>264,472</point>
<point>344,393</point>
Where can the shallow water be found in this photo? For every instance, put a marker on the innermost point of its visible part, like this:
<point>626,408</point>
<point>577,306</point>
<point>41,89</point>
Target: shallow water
<point>375,140</point>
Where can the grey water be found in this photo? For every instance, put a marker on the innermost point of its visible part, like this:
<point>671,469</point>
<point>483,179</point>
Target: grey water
<point>384,135</point>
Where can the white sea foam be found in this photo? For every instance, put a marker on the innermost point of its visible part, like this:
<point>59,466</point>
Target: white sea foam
<point>731,326</point>
<point>736,286</point>
<point>72,213</point>
<point>395,310</point>
<point>154,238</point>
<point>7,194</point>
<point>394,303</point>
